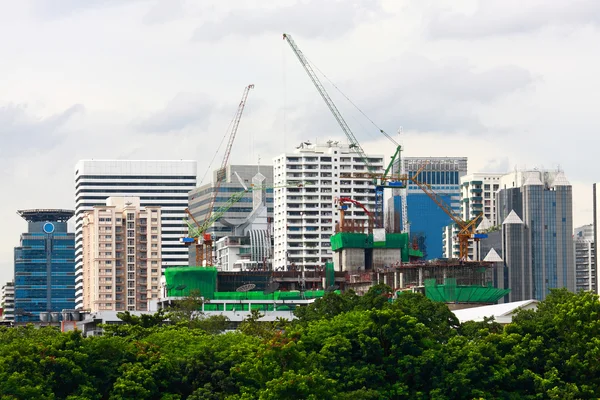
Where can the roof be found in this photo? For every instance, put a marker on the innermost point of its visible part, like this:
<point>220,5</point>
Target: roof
<point>560,180</point>
<point>492,256</point>
<point>512,218</point>
<point>533,179</point>
<point>485,224</point>
<point>502,313</point>
<point>44,215</point>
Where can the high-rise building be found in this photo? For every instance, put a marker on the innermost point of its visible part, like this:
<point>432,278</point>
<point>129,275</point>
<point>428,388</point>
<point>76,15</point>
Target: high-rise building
<point>478,195</point>
<point>44,265</point>
<point>121,255</point>
<point>426,219</point>
<point>596,224</point>
<point>585,258</point>
<point>234,220</point>
<point>537,213</point>
<point>305,217</point>
<point>163,184</point>
<point>8,301</point>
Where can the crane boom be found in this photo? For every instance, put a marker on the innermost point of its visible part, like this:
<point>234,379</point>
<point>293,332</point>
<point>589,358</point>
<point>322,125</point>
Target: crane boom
<point>221,171</point>
<point>330,104</point>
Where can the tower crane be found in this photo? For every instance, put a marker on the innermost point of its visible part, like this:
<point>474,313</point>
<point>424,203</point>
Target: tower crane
<point>381,181</point>
<point>466,228</point>
<point>202,240</point>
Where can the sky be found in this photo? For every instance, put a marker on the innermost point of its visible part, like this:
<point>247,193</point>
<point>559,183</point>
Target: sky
<point>509,84</point>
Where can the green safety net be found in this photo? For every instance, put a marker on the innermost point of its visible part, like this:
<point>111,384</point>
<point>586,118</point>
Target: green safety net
<point>181,281</point>
<point>329,275</point>
<point>450,292</point>
<point>349,240</point>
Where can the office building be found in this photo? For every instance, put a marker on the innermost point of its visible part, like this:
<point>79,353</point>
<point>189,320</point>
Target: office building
<point>305,217</point>
<point>234,221</point>
<point>585,258</point>
<point>163,184</point>
<point>537,213</point>
<point>121,255</point>
<point>8,301</point>
<point>44,265</point>
<point>426,219</point>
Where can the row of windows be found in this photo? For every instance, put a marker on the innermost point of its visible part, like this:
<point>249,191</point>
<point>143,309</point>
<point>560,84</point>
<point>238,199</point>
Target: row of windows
<point>127,191</point>
<point>127,184</point>
<point>134,177</point>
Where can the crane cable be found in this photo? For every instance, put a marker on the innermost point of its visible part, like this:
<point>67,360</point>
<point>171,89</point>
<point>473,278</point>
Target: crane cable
<point>217,152</point>
<point>351,102</point>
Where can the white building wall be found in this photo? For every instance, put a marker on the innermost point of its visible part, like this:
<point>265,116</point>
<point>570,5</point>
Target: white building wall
<point>157,183</point>
<point>305,217</point>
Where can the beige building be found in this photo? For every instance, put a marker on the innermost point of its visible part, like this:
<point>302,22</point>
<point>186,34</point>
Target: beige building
<point>121,255</point>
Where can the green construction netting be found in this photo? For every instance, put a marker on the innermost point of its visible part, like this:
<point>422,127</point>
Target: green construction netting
<point>450,292</point>
<point>278,295</point>
<point>187,279</point>
<point>401,241</point>
<point>329,275</point>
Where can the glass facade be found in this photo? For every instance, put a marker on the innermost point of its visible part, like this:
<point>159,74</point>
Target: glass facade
<point>44,267</point>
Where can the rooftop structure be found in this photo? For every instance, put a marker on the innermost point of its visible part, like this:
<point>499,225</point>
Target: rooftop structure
<point>43,215</point>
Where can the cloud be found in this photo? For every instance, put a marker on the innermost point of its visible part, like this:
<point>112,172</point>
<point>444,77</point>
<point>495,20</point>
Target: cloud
<point>418,94</point>
<point>164,11</point>
<point>20,130</point>
<point>505,17</point>
<point>313,18</point>
<point>184,110</point>
<point>62,8</point>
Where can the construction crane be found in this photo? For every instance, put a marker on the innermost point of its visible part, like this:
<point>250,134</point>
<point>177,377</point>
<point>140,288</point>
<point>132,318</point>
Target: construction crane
<point>202,240</point>
<point>381,181</point>
<point>466,228</point>
<point>343,206</point>
<point>197,233</point>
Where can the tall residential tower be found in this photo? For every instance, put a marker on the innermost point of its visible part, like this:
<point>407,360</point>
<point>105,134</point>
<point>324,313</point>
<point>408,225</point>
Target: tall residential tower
<point>305,217</point>
<point>121,255</point>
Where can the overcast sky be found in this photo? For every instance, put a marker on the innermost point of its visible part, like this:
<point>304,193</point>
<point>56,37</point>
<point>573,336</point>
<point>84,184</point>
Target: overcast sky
<point>506,83</point>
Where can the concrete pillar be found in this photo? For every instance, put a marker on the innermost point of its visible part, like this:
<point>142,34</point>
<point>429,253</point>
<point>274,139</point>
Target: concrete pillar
<point>420,276</point>
<point>401,280</point>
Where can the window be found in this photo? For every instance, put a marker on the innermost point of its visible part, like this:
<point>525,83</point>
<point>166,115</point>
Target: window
<point>108,287</point>
<point>154,237</point>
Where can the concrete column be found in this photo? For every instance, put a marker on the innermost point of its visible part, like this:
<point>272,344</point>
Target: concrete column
<point>420,276</point>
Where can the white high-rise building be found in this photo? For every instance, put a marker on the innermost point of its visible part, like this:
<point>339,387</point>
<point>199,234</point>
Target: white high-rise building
<point>585,258</point>
<point>8,301</point>
<point>157,183</point>
<point>305,217</point>
<point>478,196</point>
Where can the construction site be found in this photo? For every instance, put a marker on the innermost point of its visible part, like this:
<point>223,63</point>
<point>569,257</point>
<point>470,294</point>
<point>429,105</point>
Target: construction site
<point>364,251</point>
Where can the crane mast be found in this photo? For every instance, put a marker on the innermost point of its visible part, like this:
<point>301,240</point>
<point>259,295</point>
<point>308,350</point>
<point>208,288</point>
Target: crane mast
<point>221,171</point>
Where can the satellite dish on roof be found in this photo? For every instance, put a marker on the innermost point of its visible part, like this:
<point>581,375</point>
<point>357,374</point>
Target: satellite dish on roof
<point>246,288</point>
<point>273,286</point>
<point>332,288</point>
<point>169,287</point>
<point>180,287</point>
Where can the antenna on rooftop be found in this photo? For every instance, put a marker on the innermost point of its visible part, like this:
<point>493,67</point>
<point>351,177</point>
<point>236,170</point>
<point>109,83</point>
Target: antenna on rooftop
<point>273,286</point>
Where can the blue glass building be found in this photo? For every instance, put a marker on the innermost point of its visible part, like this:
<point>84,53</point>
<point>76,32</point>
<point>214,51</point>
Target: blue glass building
<point>44,265</point>
<point>425,217</point>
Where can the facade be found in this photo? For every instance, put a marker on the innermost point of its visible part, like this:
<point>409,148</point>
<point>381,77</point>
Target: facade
<point>596,223</point>
<point>251,212</point>
<point>163,184</point>
<point>585,258</point>
<point>478,195</point>
<point>121,255</point>
<point>44,265</point>
<point>538,237</point>
<point>8,301</point>
<point>427,221</point>
<point>305,217</point>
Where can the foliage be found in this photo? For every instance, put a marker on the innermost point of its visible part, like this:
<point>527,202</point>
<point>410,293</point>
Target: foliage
<point>341,346</point>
